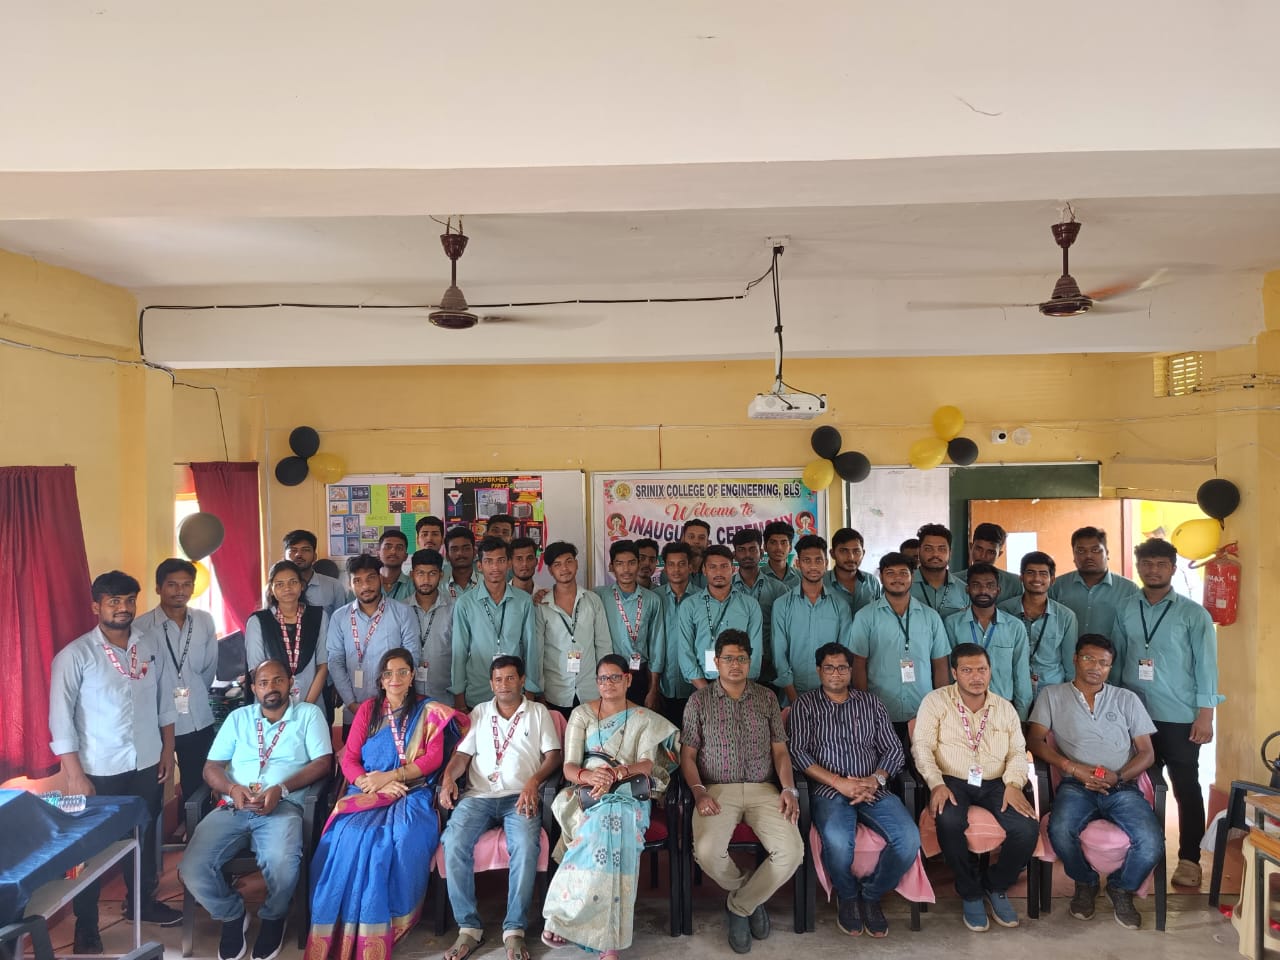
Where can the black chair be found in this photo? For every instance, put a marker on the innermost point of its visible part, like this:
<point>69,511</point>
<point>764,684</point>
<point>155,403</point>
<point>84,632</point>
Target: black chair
<point>11,934</point>
<point>315,807</point>
<point>1234,820</point>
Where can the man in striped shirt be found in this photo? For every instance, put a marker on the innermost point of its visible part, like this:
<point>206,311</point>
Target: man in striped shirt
<point>844,741</point>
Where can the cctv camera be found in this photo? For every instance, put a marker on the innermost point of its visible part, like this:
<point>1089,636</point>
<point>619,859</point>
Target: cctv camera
<point>999,436</point>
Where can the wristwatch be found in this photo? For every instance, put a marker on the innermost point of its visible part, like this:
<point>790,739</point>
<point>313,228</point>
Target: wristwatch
<point>791,790</point>
<point>879,779</point>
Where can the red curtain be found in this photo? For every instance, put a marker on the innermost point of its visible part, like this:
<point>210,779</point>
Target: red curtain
<point>229,491</point>
<point>44,605</point>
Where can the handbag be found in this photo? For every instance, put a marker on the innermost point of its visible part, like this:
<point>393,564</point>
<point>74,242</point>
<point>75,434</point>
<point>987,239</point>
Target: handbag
<point>640,783</point>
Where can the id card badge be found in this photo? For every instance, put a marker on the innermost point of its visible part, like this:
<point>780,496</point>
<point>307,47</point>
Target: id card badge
<point>635,662</point>
<point>908,670</point>
<point>1146,669</point>
<point>575,661</point>
<point>975,776</point>
<point>709,662</point>
<point>420,675</point>
<point>295,694</point>
<point>182,699</point>
<point>357,679</point>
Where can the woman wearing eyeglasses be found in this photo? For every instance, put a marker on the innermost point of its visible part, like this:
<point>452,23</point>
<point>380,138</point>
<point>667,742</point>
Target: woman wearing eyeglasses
<point>369,875</point>
<point>617,756</point>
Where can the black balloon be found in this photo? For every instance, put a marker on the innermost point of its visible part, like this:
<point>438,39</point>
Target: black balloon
<point>199,535</point>
<point>962,451</point>
<point>826,442</point>
<point>291,471</point>
<point>327,567</point>
<point>853,466</point>
<point>304,441</point>
<point>1218,498</point>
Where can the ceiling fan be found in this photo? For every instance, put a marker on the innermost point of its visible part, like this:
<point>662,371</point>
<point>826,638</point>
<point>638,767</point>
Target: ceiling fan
<point>1067,300</point>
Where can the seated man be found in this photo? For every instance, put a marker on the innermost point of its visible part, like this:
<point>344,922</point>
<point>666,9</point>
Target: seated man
<point>1103,742</point>
<point>261,761</point>
<point>843,740</point>
<point>510,750</point>
<point>969,749</point>
<point>733,746</point>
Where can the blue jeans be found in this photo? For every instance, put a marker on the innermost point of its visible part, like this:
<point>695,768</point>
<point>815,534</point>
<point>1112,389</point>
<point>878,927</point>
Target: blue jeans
<point>470,819</point>
<point>1074,807</point>
<point>837,821</point>
<point>276,840</point>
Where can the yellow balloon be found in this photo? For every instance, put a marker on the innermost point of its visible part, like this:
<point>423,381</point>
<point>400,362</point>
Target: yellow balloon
<point>818,474</point>
<point>948,422</point>
<point>328,467</point>
<point>1196,539</point>
<point>927,453</point>
<point>202,579</point>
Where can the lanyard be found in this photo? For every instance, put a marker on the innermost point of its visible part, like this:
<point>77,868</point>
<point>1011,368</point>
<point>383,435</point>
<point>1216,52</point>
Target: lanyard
<point>368,637</point>
<point>964,716</point>
<point>502,616</point>
<point>294,651</point>
<point>632,633</point>
<point>904,624</point>
<point>186,645</point>
<point>1150,635</point>
<point>501,748</point>
<point>706,599</point>
<point>265,754</point>
<point>431,618</point>
<point>134,673</point>
<point>397,734</point>
<point>572,625</point>
<point>1044,622</point>
<point>453,586</point>
<point>987,634</point>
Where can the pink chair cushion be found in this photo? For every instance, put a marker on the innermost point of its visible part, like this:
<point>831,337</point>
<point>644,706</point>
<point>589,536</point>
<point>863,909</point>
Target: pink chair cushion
<point>983,834</point>
<point>1103,844</point>
<point>491,853</point>
<point>914,885</point>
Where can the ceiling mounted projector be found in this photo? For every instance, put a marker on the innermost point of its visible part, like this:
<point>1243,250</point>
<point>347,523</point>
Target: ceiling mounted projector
<point>787,406</point>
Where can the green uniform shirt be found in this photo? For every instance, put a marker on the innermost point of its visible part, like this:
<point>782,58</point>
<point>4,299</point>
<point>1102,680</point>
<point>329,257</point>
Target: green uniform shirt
<point>950,598</point>
<point>866,589</point>
<point>799,629</point>
<point>703,618</point>
<point>1051,642</point>
<point>1177,640</point>
<point>1010,584</point>
<point>674,686</point>
<point>1095,607</point>
<point>644,619</point>
<point>889,642</point>
<point>483,630</point>
<point>790,580</point>
<point>1005,641</point>
<point>765,591</point>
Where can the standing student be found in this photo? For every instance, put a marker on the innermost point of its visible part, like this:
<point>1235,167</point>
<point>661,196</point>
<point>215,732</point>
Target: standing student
<point>460,548</point>
<point>319,590</point>
<point>573,633</point>
<point>111,716</point>
<point>673,594</point>
<point>648,551</point>
<point>524,563</point>
<point>502,526</point>
<point>190,641</point>
<point>714,610</point>
<point>1092,591</point>
<point>393,548</point>
<point>634,615</point>
<point>846,580</point>
<point>1051,628</point>
<point>1003,637</point>
<point>778,538</point>
<point>430,534</point>
<point>806,618</point>
<point>292,632</point>
<point>433,610</point>
<point>747,552</point>
<point>933,583</point>
<point>986,546</point>
<point>910,548</point>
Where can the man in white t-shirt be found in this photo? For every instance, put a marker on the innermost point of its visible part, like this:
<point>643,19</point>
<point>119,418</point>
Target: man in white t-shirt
<point>509,752</point>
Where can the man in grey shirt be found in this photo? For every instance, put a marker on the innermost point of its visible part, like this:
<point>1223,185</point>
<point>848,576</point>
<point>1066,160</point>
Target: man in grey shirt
<point>1102,744</point>
<point>434,609</point>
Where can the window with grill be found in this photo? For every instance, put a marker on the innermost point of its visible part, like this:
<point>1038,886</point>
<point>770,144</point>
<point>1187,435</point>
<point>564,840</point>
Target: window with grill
<point>1178,374</point>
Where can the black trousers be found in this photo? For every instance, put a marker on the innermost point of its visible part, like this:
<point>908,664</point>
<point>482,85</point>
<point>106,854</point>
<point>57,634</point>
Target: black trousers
<point>1182,758</point>
<point>563,711</point>
<point>640,682</point>
<point>1021,834</point>
<point>136,783</point>
<point>673,710</point>
<point>192,750</point>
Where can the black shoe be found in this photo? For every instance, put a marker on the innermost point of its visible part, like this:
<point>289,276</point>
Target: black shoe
<point>873,918</point>
<point>1082,902</point>
<point>760,924</point>
<point>1126,915</point>
<point>270,940</point>
<point>231,945</point>
<point>848,916</point>
<point>88,940</point>
<point>160,914</point>
<point>738,930</point>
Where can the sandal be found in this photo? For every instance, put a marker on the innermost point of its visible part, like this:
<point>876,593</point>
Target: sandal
<point>463,947</point>
<point>516,949</point>
<point>553,940</point>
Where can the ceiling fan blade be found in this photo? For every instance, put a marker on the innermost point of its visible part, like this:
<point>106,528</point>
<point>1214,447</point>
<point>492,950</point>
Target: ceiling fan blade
<point>551,323</point>
<point>928,305</point>
<point>1129,287</point>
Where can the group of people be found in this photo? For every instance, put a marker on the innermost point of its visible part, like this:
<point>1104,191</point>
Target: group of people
<point>742,666</point>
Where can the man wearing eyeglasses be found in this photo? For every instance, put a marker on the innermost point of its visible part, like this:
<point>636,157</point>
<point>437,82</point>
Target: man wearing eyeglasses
<point>844,741</point>
<point>734,746</point>
<point>1102,744</point>
<point>1092,591</point>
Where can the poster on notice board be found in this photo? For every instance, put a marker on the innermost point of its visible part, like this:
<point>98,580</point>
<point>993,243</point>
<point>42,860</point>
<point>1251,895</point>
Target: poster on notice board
<point>472,499</point>
<point>362,508</point>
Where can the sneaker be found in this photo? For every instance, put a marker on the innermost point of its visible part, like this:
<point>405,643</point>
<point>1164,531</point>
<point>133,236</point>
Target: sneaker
<point>88,940</point>
<point>231,944</point>
<point>873,918</point>
<point>975,915</point>
<point>760,924</point>
<point>160,914</point>
<point>270,939</point>
<point>738,930</point>
<point>1082,902</point>
<point>1126,914</point>
<point>1187,874</point>
<point>848,916</point>
<point>1001,909</point>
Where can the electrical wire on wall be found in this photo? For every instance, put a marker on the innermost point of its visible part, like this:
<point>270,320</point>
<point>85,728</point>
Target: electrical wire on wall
<point>778,381</point>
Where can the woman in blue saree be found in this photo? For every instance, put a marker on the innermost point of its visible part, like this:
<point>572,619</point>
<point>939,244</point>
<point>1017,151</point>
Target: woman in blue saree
<point>369,875</point>
<point>592,897</point>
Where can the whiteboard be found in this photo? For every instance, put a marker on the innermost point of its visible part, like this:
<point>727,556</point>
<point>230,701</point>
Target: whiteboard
<point>891,505</point>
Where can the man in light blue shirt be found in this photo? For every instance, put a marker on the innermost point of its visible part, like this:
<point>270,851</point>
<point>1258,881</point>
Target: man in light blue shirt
<point>856,587</point>
<point>1003,637</point>
<point>934,584</point>
<point>747,551</point>
<point>1167,653</point>
<point>573,633</point>
<point>1092,591</point>
<point>433,610</point>
<point>986,546</point>
<point>674,594</point>
<point>460,549</point>
<point>111,716</point>
<point>393,550</point>
<point>778,538</point>
<point>318,590</point>
<point>490,621</point>
<point>718,608</point>
<point>263,760</point>
<point>1051,628</point>
<point>362,631</point>
<point>634,616</point>
<point>806,618</point>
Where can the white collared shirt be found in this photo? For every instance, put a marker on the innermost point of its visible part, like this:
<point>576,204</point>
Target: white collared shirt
<point>533,735</point>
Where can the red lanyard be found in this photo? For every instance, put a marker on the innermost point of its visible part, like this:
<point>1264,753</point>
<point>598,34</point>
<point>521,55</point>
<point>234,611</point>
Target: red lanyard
<point>397,734</point>
<point>964,716</point>
<point>355,631</point>
<point>295,651</point>
<point>626,624</point>
<point>265,754</point>
<point>134,673</point>
<point>500,749</point>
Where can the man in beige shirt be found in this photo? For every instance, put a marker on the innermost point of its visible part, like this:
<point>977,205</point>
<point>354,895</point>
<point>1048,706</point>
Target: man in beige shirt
<point>969,749</point>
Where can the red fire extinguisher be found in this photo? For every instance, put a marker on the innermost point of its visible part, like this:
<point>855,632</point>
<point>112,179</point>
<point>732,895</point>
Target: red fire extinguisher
<point>1222,584</point>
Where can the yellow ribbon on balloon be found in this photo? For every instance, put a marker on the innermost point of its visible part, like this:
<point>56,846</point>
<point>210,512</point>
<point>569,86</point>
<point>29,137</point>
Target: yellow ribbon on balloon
<point>927,453</point>
<point>202,579</point>
<point>948,421</point>
<point>1196,539</point>
<point>819,474</point>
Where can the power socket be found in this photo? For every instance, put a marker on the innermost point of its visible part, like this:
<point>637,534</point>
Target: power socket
<point>999,436</point>
<point>771,242</point>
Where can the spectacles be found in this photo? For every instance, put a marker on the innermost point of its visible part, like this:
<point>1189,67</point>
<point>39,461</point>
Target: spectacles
<point>836,668</point>
<point>1086,658</point>
<point>738,660</point>
<point>610,677</point>
<point>400,673</point>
